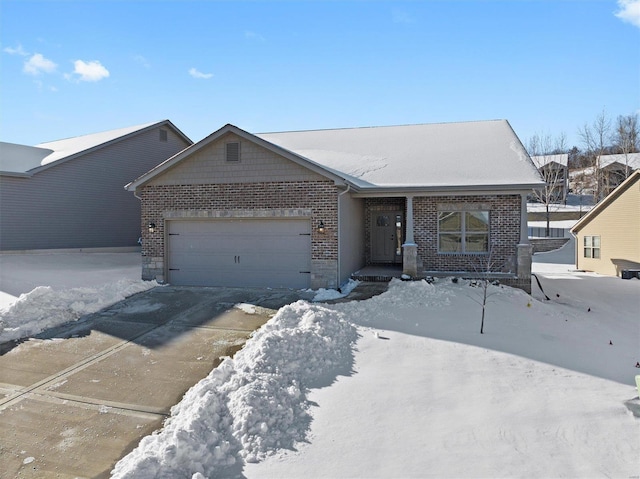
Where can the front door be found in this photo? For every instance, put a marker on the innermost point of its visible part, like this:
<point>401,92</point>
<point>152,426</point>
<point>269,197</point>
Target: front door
<point>386,236</point>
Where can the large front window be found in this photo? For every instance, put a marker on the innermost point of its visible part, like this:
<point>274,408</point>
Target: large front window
<point>463,232</point>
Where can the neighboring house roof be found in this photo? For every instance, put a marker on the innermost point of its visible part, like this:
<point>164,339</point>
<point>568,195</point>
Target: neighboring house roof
<point>606,201</point>
<point>16,158</point>
<point>21,160</point>
<point>473,155</point>
<point>542,160</point>
<point>631,159</point>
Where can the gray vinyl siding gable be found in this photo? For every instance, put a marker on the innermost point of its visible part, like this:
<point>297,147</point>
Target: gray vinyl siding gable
<point>81,202</point>
<point>256,165</point>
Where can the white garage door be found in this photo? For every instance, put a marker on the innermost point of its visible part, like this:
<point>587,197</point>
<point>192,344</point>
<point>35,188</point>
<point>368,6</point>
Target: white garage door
<point>240,252</point>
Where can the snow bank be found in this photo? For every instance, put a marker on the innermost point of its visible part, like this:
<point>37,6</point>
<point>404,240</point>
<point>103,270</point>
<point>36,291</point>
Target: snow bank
<point>323,294</point>
<point>45,307</point>
<point>251,405</point>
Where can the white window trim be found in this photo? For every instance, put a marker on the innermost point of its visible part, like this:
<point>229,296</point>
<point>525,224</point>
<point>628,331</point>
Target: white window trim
<point>591,248</point>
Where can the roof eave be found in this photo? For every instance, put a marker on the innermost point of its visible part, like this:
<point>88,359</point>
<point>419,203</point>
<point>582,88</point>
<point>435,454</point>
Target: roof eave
<point>110,142</point>
<point>229,128</point>
<point>523,188</point>
<point>606,201</point>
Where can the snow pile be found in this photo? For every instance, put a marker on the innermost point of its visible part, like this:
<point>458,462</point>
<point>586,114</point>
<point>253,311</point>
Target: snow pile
<point>323,294</point>
<point>251,405</point>
<point>45,307</point>
<point>510,402</point>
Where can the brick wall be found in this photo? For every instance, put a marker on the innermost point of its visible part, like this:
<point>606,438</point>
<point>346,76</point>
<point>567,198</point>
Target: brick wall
<point>317,200</point>
<point>504,231</point>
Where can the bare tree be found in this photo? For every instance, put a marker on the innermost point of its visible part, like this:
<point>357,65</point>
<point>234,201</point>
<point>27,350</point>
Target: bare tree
<point>548,154</point>
<point>625,138</point>
<point>596,138</point>
<point>483,268</point>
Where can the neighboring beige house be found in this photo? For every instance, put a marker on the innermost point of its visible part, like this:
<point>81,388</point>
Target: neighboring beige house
<point>608,237</point>
<point>310,208</point>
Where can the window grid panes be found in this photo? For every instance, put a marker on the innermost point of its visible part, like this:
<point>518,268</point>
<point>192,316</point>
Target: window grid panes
<point>592,247</point>
<point>463,231</point>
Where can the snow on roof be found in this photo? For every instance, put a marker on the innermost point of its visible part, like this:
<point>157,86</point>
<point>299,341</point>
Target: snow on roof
<point>16,158</point>
<point>483,153</point>
<point>632,159</point>
<point>541,160</point>
<point>71,146</point>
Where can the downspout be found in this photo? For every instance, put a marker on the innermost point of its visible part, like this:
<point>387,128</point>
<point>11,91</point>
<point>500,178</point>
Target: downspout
<point>339,238</point>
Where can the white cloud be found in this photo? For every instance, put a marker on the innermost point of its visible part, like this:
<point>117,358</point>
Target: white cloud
<point>629,11</point>
<point>198,74</point>
<point>249,35</point>
<point>38,64</point>
<point>16,51</point>
<point>90,71</point>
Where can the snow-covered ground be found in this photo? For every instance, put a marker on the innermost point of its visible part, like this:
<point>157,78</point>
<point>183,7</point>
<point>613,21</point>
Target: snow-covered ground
<point>42,290</point>
<point>404,385</point>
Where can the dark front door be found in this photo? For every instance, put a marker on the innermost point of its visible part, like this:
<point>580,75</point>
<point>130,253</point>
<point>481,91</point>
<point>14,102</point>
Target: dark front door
<point>386,236</point>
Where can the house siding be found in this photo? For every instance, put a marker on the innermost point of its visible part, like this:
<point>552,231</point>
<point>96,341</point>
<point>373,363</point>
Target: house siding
<point>316,200</point>
<point>82,203</point>
<point>618,226</point>
<point>352,234</point>
<point>256,165</point>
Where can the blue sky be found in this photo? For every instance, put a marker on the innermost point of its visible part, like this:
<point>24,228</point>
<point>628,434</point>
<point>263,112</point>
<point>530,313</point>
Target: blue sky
<point>70,68</point>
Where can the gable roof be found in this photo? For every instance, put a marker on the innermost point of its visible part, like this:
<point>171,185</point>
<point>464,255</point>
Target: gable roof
<point>473,155</point>
<point>542,160</point>
<point>632,159</point>
<point>606,201</point>
<point>21,160</point>
<point>469,154</point>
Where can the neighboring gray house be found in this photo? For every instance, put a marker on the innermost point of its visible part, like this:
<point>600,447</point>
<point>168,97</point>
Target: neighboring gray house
<point>555,171</point>
<point>68,194</point>
<point>310,208</point>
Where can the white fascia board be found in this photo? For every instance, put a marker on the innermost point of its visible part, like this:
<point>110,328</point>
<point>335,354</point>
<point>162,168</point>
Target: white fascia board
<point>445,190</point>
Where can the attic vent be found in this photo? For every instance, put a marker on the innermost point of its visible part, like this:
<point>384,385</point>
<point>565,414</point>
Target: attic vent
<point>163,135</point>
<point>233,151</point>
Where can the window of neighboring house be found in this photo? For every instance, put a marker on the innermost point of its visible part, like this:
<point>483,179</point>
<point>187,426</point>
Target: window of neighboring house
<point>463,232</point>
<point>163,135</point>
<point>592,247</point>
<point>232,152</point>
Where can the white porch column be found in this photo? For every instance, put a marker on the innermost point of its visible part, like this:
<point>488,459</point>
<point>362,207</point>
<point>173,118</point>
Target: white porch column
<point>409,248</point>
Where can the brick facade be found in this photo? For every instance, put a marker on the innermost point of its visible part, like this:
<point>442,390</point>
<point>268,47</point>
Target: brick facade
<point>316,200</point>
<point>504,229</point>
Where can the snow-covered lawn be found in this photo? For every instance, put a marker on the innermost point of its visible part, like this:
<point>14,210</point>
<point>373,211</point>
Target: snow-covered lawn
<point>404,385</point>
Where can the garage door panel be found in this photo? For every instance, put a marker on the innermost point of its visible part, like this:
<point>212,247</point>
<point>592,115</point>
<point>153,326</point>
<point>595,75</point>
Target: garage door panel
<point>271,252</point>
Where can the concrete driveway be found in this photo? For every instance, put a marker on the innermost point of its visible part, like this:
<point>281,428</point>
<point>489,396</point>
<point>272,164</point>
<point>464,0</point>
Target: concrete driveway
<point>76,399</point>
